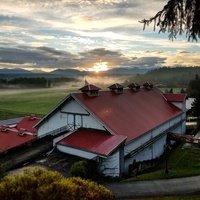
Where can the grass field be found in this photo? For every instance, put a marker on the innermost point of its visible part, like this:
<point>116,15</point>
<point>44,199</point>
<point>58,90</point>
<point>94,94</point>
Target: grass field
<point>18,102</point>
<point>14,103</point>
<point>182,162</point>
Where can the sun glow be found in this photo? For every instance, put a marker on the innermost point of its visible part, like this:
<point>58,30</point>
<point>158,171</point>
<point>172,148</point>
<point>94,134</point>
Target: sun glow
<point>100,66</point>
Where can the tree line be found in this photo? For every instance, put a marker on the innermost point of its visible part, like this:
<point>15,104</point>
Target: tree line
<point>168,77</point>
<point>33,81</point>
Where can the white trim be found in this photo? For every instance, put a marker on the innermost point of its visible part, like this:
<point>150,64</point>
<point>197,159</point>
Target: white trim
<point>77,152</point>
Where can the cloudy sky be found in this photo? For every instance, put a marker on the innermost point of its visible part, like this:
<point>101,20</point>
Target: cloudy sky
<point>87,35</point>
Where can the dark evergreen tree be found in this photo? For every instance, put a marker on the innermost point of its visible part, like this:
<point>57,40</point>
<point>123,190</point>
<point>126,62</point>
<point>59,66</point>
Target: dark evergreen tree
<point>194,91</point>
<point>196,107</point>
<point>182,91</point>
<point>176,17</point>
<point>171,90</point>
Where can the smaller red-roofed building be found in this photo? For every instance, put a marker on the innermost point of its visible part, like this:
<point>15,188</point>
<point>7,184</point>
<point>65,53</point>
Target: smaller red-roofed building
<point>15,133</point>
<point>178,100</point>
<point>115,127</point>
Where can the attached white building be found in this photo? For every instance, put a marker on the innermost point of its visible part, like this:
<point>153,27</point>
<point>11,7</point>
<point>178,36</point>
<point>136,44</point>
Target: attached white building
<point>115,127</point>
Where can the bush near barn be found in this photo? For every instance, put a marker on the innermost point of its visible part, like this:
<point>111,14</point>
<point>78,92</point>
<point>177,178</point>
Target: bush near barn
<point>42,184</point>
<point>86,169</point>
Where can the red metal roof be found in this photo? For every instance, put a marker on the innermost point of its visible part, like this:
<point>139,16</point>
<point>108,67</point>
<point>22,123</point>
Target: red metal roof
<point>10,135</point>
<point>175,97</point>
<point>92,140</point>
<point>132,113</point>
<point>28,123</point>
<point>10,139</point>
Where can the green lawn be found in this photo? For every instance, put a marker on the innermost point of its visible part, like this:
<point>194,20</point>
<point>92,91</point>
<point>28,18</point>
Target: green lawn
<point>14,103</point>
<point>182,162</point>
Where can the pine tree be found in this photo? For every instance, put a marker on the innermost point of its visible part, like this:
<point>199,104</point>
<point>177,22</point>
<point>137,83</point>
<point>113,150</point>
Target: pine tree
<point>177,17</point>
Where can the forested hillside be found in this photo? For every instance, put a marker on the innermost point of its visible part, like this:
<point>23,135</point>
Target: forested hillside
<point>169,77</point>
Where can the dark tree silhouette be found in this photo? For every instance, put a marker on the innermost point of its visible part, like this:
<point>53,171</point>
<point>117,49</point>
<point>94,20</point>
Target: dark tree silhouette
<point>177,17</point>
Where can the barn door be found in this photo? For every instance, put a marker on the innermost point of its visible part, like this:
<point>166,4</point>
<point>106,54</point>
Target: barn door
<point>70,121</point>
<point>78,121</point>
<point>74,121</point>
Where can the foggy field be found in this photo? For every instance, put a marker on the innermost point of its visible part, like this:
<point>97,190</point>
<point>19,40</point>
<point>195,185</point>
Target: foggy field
<point>20,102</point>
<point>14,103</point>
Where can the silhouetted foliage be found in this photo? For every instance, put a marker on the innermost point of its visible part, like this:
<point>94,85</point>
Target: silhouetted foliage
<point>194,87</point>
<point>194,91</point>
<point>176,17</point>
<point>2,171</point>
<point>196,107</point>
<point>85,169</point>
<point>182,91</point>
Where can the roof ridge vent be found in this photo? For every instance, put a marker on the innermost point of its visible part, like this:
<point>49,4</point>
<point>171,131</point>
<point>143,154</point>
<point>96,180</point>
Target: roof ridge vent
<point>148,85</point>
<point>90,90</point>
<point>116,88</point>
<point>134,86</point>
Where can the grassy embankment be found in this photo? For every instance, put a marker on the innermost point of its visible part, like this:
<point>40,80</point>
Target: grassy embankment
<point>16,103</point>
<point>182,162</point>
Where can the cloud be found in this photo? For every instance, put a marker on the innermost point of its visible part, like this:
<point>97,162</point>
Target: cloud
<point>37,57</point>
<point>77,34</point>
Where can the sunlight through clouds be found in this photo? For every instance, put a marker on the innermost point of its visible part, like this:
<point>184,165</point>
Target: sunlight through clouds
<point>83,32</point>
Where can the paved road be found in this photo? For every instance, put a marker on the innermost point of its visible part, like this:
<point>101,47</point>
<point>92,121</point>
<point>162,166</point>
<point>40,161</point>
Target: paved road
<point>179,186</point>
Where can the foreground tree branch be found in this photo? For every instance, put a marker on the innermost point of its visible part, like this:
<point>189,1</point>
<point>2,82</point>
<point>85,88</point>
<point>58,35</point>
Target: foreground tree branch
<point>177,17</point>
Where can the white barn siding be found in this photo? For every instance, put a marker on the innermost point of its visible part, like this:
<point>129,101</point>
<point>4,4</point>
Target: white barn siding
<point>158,147</point>
<point>76,152</point>
<point>91,122</point>
<point>71,116</point>
<point>73,107</point>
<point>110,166</point>
<point>152,142</point>
<point>56,121</point>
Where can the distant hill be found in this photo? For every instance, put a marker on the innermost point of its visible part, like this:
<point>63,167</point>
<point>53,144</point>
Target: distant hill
<point>127,71</point>
<point>14,71</point>
<point>114,71</point>
<point>37,71</point>
<point>67,72</point>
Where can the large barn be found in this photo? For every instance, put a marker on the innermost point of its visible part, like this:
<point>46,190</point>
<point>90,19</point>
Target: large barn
<point>115,127</point>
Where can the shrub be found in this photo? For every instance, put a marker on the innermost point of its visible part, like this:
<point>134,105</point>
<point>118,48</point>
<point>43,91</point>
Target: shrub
<point>42,184</point>
<point>79,169</point>
<point>85,169</point>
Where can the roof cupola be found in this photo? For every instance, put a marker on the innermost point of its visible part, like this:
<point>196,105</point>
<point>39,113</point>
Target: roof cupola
<point>116,88</point>
<point>90,90</point>
<point>148,85</point>
<point>134,86</point>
